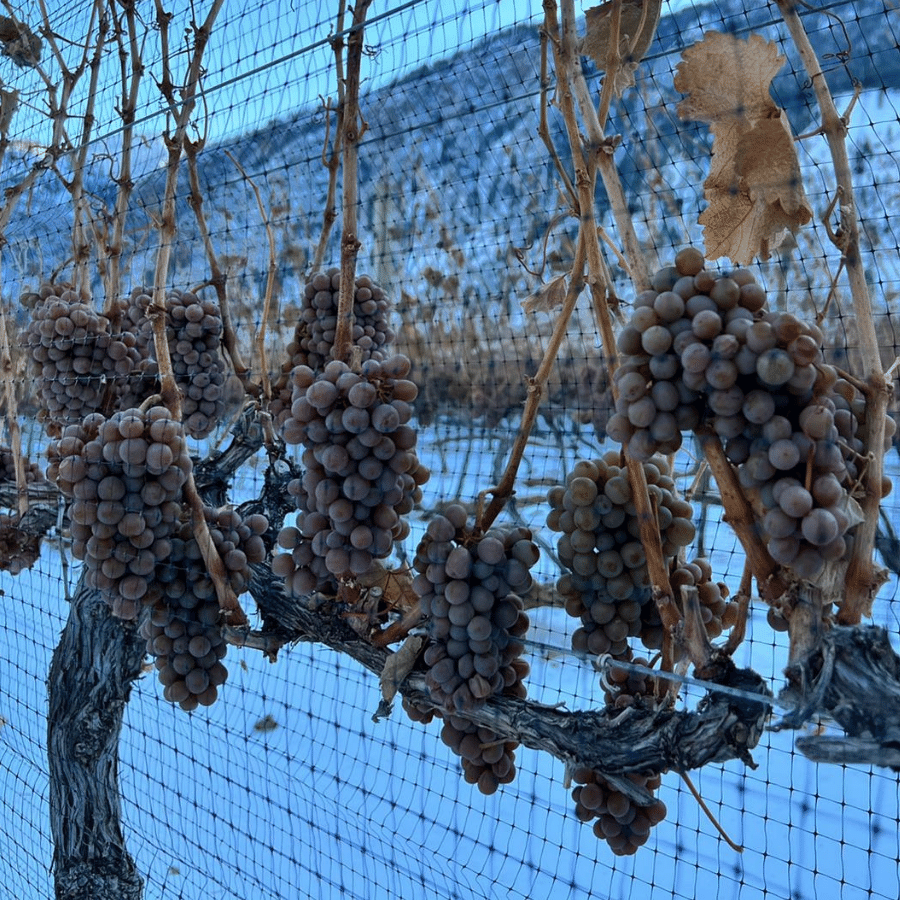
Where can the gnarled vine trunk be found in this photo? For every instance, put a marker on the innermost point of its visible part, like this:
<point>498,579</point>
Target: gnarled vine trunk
<point>94,666</point>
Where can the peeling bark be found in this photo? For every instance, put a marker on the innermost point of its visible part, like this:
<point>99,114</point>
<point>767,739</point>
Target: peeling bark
<point>853,676</point>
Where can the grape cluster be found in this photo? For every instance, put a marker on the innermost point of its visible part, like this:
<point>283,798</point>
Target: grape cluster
<point>622,824</point>
<point>361,470</point>
<point>469,588</point>
<point>183,630</point>
<point>19,550</point>
<point>703,351</point>
<point>303,571</point>
<point>487,760</point>
<point>80,365</point>
<point>607,585</point>
<point>716,610</point>
<point>314,336</point>
<point>623,688</point>
<point>194,331</point>
<point>124,476</point>
<point>33,473</point>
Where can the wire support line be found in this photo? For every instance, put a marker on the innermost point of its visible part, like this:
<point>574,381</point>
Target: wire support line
<point>604,663</point>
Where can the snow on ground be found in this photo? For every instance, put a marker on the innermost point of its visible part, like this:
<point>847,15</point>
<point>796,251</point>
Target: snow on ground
<point>327,803</point>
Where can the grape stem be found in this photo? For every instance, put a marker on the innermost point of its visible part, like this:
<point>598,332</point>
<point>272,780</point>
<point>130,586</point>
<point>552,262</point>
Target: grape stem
<point>217,277</point>
<point>862,577</point>
<point>739,629</point>
<point>353,128</point>
<point>708,812</point>
<point>228,601</point>
<point>544,127</point>
<point>12,414</point>
<point>270,283</point>
<point>571,76</point>
<point>180,109</point>
<point>740,517</point>
<point>127,106</point>
<point>332,163</point>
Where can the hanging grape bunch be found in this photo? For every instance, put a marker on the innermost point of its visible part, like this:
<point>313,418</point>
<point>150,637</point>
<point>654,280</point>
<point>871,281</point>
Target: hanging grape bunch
<point>303,570</point>
<point>607,585</point>
<point>314,336</point>
<point>620,822</point>
<point>184,629</point>
<point>79,364</point>
<point>124,477</point>
<point>717,612</point>
<point>361,470</point>
<point>469,588</point>
<point>33,473</point>
<point>19,549</point>
<point>702,351</point>
<point>194,331</point>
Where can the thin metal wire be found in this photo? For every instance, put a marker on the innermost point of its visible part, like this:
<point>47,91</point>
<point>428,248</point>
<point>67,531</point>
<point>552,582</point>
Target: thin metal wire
<point>605,662</point>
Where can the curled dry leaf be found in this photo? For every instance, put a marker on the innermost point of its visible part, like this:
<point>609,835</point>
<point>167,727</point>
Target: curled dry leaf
<point>547,297</point>
<point>9,103</point>
<point>19,43</point>
<point>397,666</point>
<point>754,189</point>
<point>637,25</point>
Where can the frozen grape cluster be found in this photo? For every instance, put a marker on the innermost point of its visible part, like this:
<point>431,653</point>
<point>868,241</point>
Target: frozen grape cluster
<point>19,550</point>
<point>80,365</point>
<point>361,471</point>
<point>194,331</point>
<point>607,585</point>
<point>124,478</point>
<point>703,351</point>
<point>620,822</point>
<point>487,760</point>
<point>625,687</point>
<point>470,588</point>
<point>717,612</point>
<point>183,631</point>
<point>313,340</point>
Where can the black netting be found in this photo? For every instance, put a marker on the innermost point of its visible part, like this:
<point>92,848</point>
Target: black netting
<point>287,786</point>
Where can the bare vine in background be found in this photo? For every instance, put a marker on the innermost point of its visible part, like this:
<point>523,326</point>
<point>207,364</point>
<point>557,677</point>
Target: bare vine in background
<point>217,276</point>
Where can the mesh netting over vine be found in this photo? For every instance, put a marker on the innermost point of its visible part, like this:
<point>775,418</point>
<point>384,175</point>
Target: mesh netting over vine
<point>448,449</point>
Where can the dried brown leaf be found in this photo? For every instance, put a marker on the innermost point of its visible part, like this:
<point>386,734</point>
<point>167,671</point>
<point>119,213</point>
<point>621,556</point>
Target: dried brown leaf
<point>398,665</point>
<point>754,189</point>
<point>767,162</point>
<point>637,26</point>
<point>727,78</point>
<point>547,297</point>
